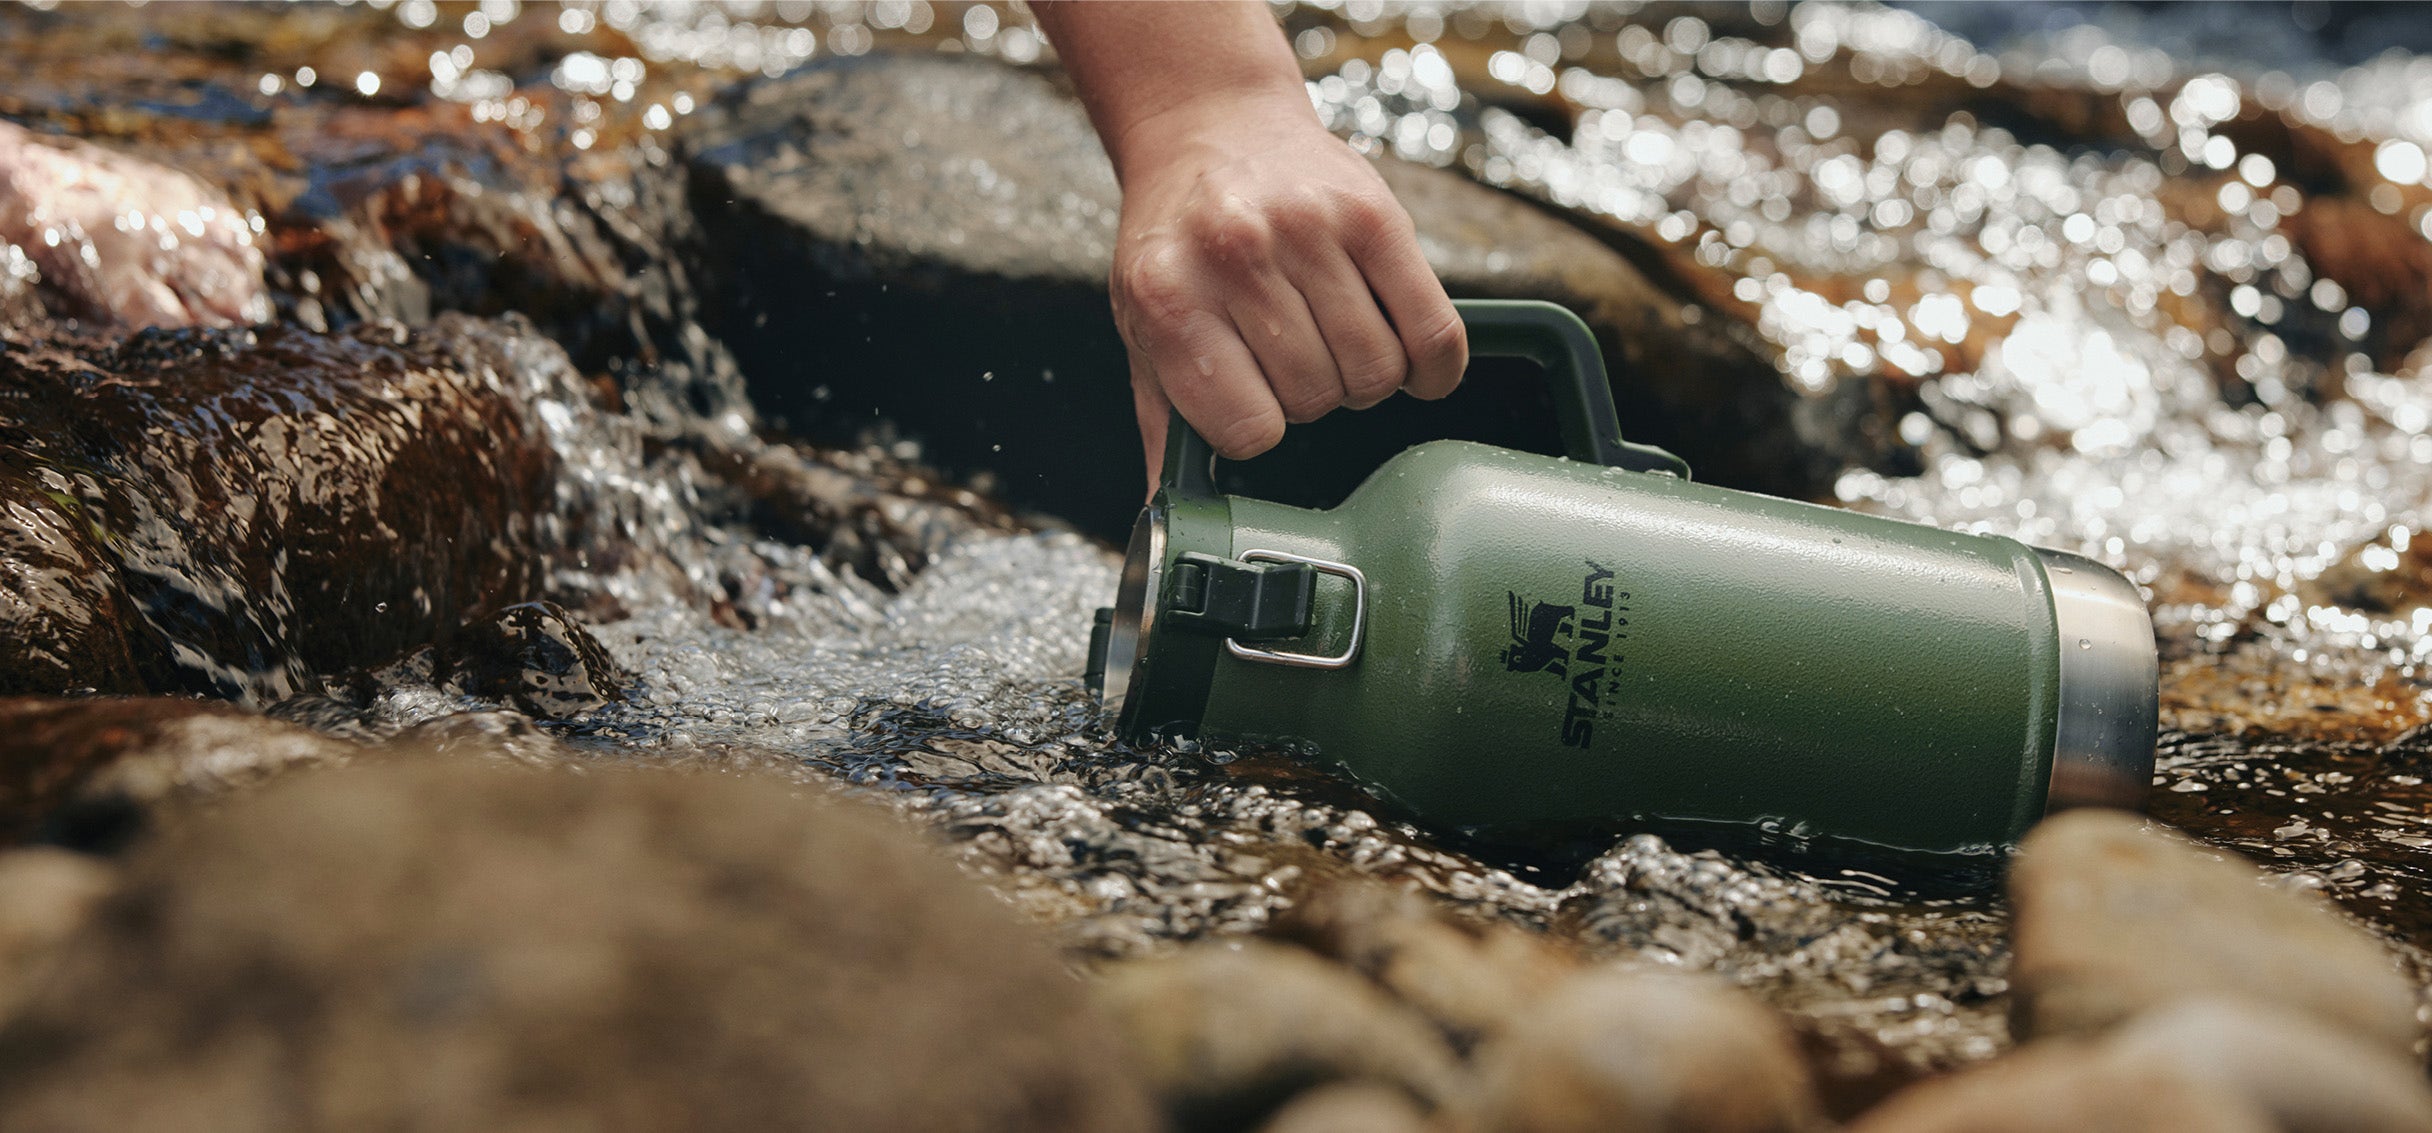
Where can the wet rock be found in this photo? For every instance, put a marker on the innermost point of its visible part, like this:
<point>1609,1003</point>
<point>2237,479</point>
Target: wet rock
<point>1622,1048</point>
<point>2308,1076</point>
<point>436,944</point>
<point>2112,918</point>
<point>81,771</point>
<point>2200,1064</point>
<point>860,205</point>
<point>191,259</point>
<point>268,504</point>
<point>1227,1030</point>
<point>1472,980</point>
<point>536,655</point>
<point>46,895</point>
<point>1356,1107</point>
<point>2066,1089</point>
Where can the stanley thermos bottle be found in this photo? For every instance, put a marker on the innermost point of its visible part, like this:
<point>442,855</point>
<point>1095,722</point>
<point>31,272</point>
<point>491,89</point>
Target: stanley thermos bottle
<point>1497,640</point>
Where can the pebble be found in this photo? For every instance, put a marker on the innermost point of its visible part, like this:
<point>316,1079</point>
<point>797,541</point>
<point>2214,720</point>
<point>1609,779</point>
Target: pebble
<point>1620,1048</point>
<point>2111,918</point>
<point>1226,1031</point>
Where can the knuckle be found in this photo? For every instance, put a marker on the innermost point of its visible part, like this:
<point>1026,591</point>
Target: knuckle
<point>1373,215</point>
<point>1154,285</point>
<point>1237,231</point>
<point>1441,340</point>
<point>1247,434</point>
<point>1303,406</point>
<point>1301,214</point>
<point>1374,375</point>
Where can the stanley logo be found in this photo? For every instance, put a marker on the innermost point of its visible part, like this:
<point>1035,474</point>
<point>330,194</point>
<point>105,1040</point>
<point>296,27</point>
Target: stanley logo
<point>1575,643</point>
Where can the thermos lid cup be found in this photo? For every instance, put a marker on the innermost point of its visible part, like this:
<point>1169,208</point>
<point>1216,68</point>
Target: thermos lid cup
<point>2102,748</point>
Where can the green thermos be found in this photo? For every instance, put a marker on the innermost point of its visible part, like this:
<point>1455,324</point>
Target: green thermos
<point>1501,641</point>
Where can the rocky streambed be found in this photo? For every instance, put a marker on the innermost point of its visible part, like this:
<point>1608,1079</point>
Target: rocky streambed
<point>531,528</point>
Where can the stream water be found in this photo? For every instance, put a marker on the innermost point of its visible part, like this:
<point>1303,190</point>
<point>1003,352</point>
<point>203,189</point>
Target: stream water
<point>2084,264</point>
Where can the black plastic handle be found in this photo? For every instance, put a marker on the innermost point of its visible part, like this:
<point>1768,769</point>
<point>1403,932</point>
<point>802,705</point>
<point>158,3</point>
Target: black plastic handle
<point>1545,333</point>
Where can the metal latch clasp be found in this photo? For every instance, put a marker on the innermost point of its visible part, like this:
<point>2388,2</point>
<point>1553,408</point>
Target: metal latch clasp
<point>1359,615</point>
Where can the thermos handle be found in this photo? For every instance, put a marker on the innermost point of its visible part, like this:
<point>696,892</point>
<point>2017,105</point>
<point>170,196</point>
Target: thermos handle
<point>1545,333</point>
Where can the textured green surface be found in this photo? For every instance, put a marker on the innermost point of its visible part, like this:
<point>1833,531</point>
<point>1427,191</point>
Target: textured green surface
<point>1813,670</point>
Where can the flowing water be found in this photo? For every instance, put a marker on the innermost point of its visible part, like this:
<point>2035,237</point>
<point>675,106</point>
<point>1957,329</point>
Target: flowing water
<point>2086,271</point>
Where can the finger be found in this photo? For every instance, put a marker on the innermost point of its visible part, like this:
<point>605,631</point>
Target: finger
<point>1274,320</point>
<point>1430,330</point>
<point>1203,367</point>
<point>1151,408</point>
<point>1366,352</point>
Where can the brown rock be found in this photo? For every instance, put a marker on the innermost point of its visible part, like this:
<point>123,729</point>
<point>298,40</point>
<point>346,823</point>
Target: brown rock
<point>2309,1077</point>
<point>46,895</point>
<point>2111,917</point>
<point>1628,1049</point>
<point>538,656</point>
<point>262,504</point>
<point>2066,1088</point>
<point>444,945</point>
<point>66,765</point>
<point>2194,1065</point>
<point>1352,1107</point>
<point>1472,980</point>
<point>1227,1030</point>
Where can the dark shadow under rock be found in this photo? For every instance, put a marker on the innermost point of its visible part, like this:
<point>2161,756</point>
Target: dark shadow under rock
<point>922,243</point>
<point>444,945</point>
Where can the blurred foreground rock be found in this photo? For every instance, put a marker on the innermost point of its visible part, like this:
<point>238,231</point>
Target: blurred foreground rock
<point>1629,1049</point>
<point>954,218</point>
<point>2200,1065</point>
<point>2111,918</point>
<point>1350,1108</point>
<point>1472,981</point>
<point>46,896</point>
<point>82,771</point>
<point>1226,1031</point>
<point>437,944</point>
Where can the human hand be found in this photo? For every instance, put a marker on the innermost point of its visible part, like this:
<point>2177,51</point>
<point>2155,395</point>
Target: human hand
<point>1264,274</point>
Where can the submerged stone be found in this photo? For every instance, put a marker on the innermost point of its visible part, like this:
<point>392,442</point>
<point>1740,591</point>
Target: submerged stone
<point>536,655</point>
<point>452,945</point>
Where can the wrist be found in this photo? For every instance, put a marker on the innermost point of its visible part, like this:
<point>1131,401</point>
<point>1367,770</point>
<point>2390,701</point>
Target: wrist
<point>1212,124</point>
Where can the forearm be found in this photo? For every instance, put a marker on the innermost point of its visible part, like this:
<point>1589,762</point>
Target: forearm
<point>1136,62</point>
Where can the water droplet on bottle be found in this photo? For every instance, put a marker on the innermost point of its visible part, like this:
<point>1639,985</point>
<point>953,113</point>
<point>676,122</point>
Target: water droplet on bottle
<point>2083,643</point>
<point>380,608</point>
